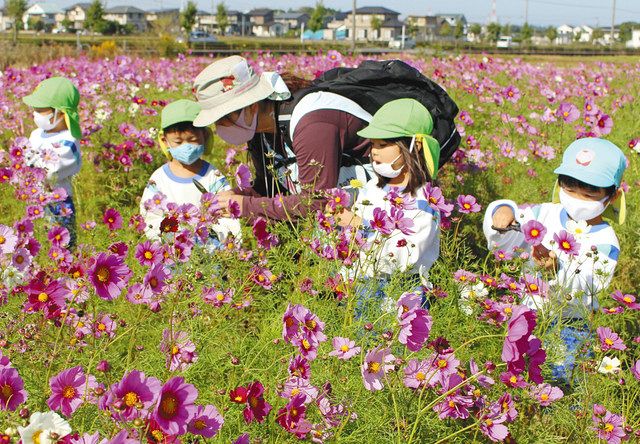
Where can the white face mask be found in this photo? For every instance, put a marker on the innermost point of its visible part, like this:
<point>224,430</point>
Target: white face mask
<point>386,169</point>
<point>579,209</point>
<point>43,121</point>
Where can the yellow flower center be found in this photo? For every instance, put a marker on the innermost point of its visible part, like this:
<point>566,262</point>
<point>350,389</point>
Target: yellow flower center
<point>69,392</point>
<point>148,255</point>
<point>373,367</point>
<point>36,437</point>
<point>168,406</point>
<point>130,399</point>
<point>43,297</point>
<point>7,391</point>
<point>305,344</point>
<point>508,310</point>
<point>337,200</point>
<point>452,404</point>
<point>608,341</point>
<point>157,435</point>
<point>627,299</point>
<point>103,274</point>
<point>220,296</point>
<point>608,427</point>
<point>344,348</point>
<point>534,233</point>
<point>2,240</point>
<point>513,379</point>
<point>466,206</point>
<point>295,391</point>
<point>420,376</point>
<point>153,282</point>
<point>199,424</point>
<point>175,350</point>
<point>311,324</point>
<point>544,397</point>
<point>566,113</point>
<point>442,363</point>
<point>566,245</point>
<point>488,422</point>
<point>533,287</point>
<point>111,220</point>
<point>102,327</point>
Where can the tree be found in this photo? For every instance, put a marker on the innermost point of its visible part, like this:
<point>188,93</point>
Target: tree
<point>597,35</point>
<point>625,30</point>
<point>188,16</point>
<point>458,32</point>
<point>66,24</point>
<point>493,32</point>
<point>376,24</point>
<point>412,28</point>
<point>445,29</point>
<point>526,32</point>
<point>551,33</point>
<point>506,29</point>
<point>316,20</point>
<point>222,18</point>
<point>15,10</point>
<point>95,13</point>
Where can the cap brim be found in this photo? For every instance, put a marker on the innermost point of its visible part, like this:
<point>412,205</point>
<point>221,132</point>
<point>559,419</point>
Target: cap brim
<point>260,91</point>
<point>372,132</point>
<point>36,102</point>
<point>597,180</point>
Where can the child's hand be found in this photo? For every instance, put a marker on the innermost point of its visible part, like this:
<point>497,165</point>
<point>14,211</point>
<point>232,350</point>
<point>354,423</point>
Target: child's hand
<point>545,258</point>
<point>503,217</point>
<point>348,218</point>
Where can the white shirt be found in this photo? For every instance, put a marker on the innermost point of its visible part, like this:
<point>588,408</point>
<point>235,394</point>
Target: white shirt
<point>58,153</point>
<point>584,275</point>
<point>182,190</point>
<point>422,247</point>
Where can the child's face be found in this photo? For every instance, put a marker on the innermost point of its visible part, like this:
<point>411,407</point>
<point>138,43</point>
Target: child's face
<point>176,138</point>
<point>585,194</point>
<point>384,151</point>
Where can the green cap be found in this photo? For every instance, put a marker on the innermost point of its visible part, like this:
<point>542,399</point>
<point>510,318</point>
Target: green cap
<point>179,111</point>
<point>58,93</point>
<point>406,118</point>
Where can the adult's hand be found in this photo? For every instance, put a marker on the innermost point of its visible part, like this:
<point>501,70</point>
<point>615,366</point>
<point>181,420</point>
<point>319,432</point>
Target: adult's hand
<point>226,197</point>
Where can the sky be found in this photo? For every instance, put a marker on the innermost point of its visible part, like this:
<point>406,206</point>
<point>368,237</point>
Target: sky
<point>540,12</point>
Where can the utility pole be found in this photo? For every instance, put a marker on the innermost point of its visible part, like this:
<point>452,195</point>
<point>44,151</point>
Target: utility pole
<point>526,11</point>
<point>353,27</point>
<point>613,20</point>
<point>494,12</point>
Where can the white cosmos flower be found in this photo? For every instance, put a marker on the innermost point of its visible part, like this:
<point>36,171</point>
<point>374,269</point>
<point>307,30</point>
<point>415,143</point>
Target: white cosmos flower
<point>468,293</point>
<point>609,366</point>
<point>578,229</point>
<point>133,109</point>
<point>41,426</point>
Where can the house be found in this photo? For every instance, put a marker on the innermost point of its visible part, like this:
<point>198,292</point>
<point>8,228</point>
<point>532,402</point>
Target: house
<point>261,20</point>
<point>451,21</point>
<point>235,21</point>
<point>606,36</point>
<point>423,27</point>
<point>127,15</point>
<point>583,34</point>
<point>172,14</point>
<point>6,22</point>
<point>77,14</point>
<point>46,13</point>
<point>375,23</point>
<point>635,39</point>
<point>291,20</point>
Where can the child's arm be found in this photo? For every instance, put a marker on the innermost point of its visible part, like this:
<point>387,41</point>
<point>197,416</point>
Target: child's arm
<point>68,162</point>
<point>501,214</point>
<point>152,218</point>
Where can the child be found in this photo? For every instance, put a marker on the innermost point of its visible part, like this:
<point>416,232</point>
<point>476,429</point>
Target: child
<point>588,188</point>
<point>405,158</point>
<point>183,144</point>
<point>54,144</point>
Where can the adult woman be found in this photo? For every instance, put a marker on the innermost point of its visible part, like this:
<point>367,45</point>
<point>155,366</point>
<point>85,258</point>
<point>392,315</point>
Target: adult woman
<point>256,109</point>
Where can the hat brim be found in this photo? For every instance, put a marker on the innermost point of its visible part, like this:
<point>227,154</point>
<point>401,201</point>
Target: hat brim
<point>258,92</point>
<point>36,102</point>
<point>373,132</point>
<point>597,180</point>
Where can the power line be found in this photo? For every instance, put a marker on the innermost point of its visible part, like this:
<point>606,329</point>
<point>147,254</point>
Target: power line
<point>574,5</point>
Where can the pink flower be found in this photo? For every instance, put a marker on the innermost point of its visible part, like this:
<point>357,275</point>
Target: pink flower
<point>8,239</point>
<point>609,340</point>
<point>263,277</point>
<point>568,112</point>
<point>467,204</point>
<point>545,394</point>
<point>512,380</point>
<point>344,348</point>
<point>436,200</point>
<point>12,392</point>
<point>567,243</point>
<point>175,407</point>
<point>516,343</point>
<point>215,297</point>
<point>376,365</point>
<point>59,236</point>
<point>635,370</point>
<point>456,405</point>
<point>112,219</point>
<point>243,176</point>
<point>299,366</point>
<point>381,221</point>
<point>491,423</point>
<point>338,198</point>
<point>69,390</point>
<point>292,414</point>
<point>206,422</point>
<point>628,300</point>
<point>608,426</point>
<point>180,352</point>
<point>417,374</point>
<point>109,275</point>
<point>534,232</point>
<point>415,327</point>
<point>148,253</point>
<point>265,239</point>
<point>257,408</point>
<point>603,125</point>
<point>511,93</point>
<point>104,326</point>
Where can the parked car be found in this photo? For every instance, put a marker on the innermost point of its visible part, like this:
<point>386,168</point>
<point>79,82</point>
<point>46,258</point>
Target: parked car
<point>201,37</point>
<point>505,41</point>
<point>396,43</point>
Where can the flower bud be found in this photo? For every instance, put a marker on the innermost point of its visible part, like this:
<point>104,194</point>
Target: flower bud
<point>138,422</point>
<point>599,410</point>
<point>368,326</point>
<point>103,366</point>
<point>24,413</point>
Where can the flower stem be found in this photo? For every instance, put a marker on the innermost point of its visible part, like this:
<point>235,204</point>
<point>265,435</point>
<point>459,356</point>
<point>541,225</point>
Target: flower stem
<point>448,437</point>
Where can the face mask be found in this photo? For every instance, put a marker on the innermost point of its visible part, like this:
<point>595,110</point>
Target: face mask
<point>386,169</point>
<point>43,121</point>
<point>187,153</point>
<point>579,209</point>
<point>239,132</point>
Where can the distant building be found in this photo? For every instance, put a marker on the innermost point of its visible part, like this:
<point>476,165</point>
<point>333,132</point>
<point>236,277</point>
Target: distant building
<point>127,15</point>
<point>6,22</point>
<point>49,15</point>
<point>366,17</point>
<point>261,21</point>
<point>425,27</point>
<point>235,20</point>
<point>564,34</point>
<point>291,20</point>
<point>606,36</point>
<point>77,14</point>
<point>635,39</point>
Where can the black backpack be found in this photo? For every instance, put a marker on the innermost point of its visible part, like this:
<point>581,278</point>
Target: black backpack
<point>374,83</point>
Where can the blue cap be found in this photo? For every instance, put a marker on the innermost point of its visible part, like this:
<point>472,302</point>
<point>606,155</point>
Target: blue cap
<point>593,161</point>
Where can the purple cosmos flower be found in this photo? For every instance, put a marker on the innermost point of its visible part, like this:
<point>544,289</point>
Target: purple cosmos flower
<point>156,277</point>
<point>243,176</point>
<point>417,374</point>
<point>483,380</point>
<point>112,219</point>
<point>139,294</point>
<point>265,239</point>
<point>299,366</point>
<point>132,397</point>
<point>415,326</point>
<point>608,426</point>
<point>257,408</point>
<point>491,423</point>
<point>242,439</point>
<point>436,200</point>
<point>516,343</point>
<point>567,243</point>
<point>467,204</point>
<point>381,221</point>
<point>296,385</point>
<point>148,253</point>
<point>263,277</point>
<point>12,392</point>
<point>545,394</point>
<point>180,352</point>
<point>534,232</point>
<point>58,236</point>
<point>511,93</point>
<point>338,198</point>
<point>69,390</point>
<point>513,380</point>
<point>109,275</point>
<point>206,422</point>
<point>375,366</point>
<point>403,224</point>
<point>104,326</point>
<point>216,297</point>
<point>568,112</point>
<point>456,405</point>
<point>507,405</point>
<point>635,370</point>
<point>628,300</point>
<point>175,407</point>
<point>344,348</point>
<point>293,413</point>
<point>603,125</point>
<point>609,340</point>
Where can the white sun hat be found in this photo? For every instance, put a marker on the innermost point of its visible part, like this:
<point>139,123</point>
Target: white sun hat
<point>230,84</point>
